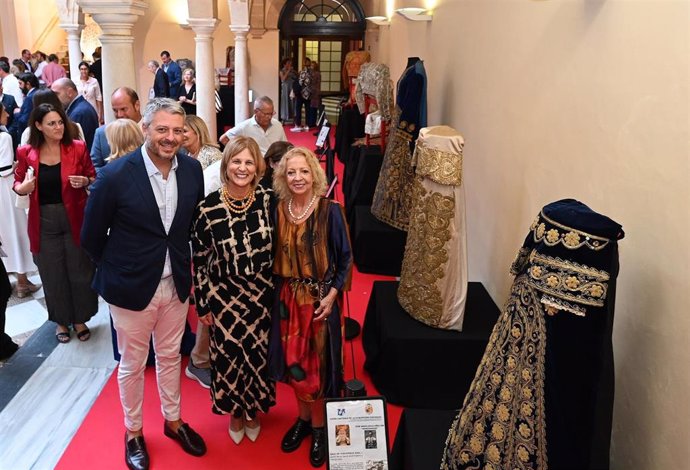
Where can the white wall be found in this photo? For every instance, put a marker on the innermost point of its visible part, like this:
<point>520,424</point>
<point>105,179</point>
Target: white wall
<point>583,99</point>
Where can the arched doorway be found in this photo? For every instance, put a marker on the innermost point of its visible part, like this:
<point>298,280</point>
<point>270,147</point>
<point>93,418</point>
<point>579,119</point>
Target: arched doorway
<point>322,30</point>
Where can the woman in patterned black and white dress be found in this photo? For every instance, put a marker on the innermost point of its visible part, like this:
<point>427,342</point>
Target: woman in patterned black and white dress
<point>232,240</point>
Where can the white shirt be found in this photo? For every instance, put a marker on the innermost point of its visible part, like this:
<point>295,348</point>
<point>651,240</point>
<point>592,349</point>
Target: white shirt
<point>251,128</point>
<point>39,70</point>
<point>90,91</point>
<point>212,178</point>
<point>165,192</point>
<point>10,84</point>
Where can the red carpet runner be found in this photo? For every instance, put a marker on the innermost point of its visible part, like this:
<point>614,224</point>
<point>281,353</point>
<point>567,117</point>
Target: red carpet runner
<point>99,443</point>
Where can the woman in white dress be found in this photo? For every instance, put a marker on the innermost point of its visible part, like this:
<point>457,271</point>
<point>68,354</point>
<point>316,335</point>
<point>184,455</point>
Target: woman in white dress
<point>13,229</point>
<point>87,86</point>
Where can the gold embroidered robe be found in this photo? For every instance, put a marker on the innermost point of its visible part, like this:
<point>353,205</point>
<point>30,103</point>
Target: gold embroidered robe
<point>433,280</point>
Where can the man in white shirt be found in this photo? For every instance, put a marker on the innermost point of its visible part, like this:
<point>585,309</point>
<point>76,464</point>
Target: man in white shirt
<point>10,84</point>
<point>262,127</point>
<point>136,229</point>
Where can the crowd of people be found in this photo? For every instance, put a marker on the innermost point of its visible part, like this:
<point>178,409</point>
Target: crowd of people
<point>300,91</point>
<point>148,213</point>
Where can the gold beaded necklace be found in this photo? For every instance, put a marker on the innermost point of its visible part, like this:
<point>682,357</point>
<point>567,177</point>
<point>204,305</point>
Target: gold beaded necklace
<point>235,205</point>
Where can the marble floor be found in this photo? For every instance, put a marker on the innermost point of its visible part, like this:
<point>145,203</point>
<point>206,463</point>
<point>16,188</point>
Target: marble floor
<point>46,388</point>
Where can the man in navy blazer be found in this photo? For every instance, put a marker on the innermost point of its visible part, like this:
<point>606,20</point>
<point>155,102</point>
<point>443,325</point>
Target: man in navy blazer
<point>137,230</point>
<point>174,73</point>
<point>28,83</point>
<point>77,108</point>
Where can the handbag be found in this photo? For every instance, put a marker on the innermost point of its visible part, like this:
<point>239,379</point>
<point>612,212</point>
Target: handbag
<point>22,202</point>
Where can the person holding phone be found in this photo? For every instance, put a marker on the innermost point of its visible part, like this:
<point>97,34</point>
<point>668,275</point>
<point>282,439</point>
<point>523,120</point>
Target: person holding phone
<point>55,170</point>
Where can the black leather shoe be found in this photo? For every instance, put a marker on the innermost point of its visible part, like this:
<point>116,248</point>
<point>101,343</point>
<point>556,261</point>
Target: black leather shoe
<point>136,456</point>
<point>295,435</point>
<point>317,454</point>
<point>191,442</point>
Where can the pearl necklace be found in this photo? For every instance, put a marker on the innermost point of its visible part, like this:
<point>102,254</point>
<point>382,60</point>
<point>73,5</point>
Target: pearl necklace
<point>306,211</point>
<point>231,202</point>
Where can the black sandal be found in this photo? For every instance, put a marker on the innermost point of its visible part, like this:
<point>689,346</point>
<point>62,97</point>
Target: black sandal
<point>63,337</point>
<point>84,334</point>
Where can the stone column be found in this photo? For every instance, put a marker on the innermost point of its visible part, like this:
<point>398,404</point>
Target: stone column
<point>74,47</point>
<point>205,73</point>
<point>116,20</point>
<point>241,73</point>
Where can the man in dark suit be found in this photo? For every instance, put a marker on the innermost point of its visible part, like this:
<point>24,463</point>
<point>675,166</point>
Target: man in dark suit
<point>26,60</point>
<point>174,73</point>
<point>28,83</point>
<point>77,108</point>
<point>137,229</point>
<point>97,67</point>
<point>161,85</point>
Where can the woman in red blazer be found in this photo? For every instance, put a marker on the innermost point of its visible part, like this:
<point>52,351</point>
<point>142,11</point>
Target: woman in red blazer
<point>55,171</point>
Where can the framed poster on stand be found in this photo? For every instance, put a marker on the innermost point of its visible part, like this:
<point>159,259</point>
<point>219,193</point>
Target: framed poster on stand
<point>357,433</point>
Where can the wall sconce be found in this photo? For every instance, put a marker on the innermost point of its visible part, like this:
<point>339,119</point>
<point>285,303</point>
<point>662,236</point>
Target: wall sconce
<point>379,20</point>
<point>415,14</point>
<point>184,24</point>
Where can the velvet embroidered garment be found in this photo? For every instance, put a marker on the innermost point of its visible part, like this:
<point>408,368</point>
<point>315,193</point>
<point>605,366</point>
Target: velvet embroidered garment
<point>542,397</point>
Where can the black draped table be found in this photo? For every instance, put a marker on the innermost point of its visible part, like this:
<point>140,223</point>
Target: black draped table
<point>377,248</point>
<point>360,177</point>
<point>417,366</point>
<point>420,439</point>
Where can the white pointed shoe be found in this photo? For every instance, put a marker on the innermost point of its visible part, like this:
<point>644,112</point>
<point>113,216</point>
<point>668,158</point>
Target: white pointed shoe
<point>252,433</point>
<point>236,436</point>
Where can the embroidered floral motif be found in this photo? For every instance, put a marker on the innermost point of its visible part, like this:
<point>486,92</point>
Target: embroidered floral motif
<point>392,201</point>
<point>438,165</point>
<point>506,396</point>
<point>426,256</point>
<point>567,285</point>
<point>552,235</point>
<point>596,291</point>
<point>493,453</point>
<point>570,238</point>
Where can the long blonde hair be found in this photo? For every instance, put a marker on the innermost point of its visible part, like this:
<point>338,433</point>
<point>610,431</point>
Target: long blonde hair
<point>198,126</point>
<point>124,136</point>
<point>319,182</point>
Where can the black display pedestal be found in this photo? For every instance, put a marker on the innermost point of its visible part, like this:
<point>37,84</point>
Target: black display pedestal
<point>421,439</point>
<point>360,176</point>
<point>377,248</point>
<point>415,365</point>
